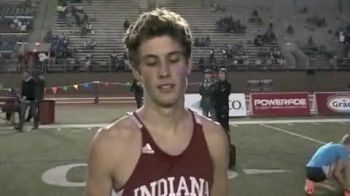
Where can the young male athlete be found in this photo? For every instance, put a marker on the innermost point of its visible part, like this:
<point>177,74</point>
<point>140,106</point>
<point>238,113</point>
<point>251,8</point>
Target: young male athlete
<point>161,148</point>
<point>331,160</point>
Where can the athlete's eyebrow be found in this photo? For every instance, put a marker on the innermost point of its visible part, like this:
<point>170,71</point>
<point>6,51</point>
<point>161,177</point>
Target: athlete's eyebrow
<point>156,56</point>
<point>175,52</point>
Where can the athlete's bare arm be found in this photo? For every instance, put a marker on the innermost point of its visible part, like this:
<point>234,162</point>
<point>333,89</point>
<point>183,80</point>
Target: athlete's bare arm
<point>99,179</point>
<point>112,156</point>
<point>219,150</point>
<point>339,173</point>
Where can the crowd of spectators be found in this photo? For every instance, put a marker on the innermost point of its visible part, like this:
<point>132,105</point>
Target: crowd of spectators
<point>61,49</point>
<point>272,54</point>
<point>228,24</point>
<point>76,15</point>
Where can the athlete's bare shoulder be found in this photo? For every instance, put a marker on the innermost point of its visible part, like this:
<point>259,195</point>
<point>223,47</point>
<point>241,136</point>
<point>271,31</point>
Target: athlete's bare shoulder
<point>214,133</point>
<point>110,152</point>
<point>211,128</point>
<point>117,137</point>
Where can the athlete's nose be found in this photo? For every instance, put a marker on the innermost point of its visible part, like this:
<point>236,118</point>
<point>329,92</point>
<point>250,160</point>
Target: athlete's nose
<point>164,70</point>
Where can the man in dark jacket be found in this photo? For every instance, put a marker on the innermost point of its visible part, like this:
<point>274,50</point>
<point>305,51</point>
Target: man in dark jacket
<point>221,93</point>
<point>206,91</point>
<point>28,101</point>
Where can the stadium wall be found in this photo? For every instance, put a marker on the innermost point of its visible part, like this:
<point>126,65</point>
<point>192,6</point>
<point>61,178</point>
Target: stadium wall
<point>281,81</point>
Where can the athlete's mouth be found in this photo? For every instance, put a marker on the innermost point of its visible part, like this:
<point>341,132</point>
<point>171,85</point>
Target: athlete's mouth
<point>166,86</point>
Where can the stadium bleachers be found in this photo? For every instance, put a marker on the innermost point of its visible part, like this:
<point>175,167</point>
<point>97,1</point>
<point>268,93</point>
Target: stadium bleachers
<point>107,21</point>
<point>108,29</point>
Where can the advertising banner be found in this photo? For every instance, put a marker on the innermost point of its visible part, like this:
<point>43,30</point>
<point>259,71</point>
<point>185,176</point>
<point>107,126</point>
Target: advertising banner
<point>280,104</point>
<point>237,104</point>
<point>333,103</point>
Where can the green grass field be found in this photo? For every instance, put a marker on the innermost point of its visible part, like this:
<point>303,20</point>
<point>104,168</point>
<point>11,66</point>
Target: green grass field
<point>282,147</point>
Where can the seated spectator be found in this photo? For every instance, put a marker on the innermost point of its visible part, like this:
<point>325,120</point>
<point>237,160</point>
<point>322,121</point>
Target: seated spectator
<point>207,41</point>
<point>290,29</point>
<point>90,44</point>
<point>88,62</point>
<point>202,42</point>
<point>212,59</point>
<point>258,41</point>
<point>113,59</point>
<point>317,21</point>
<point>254,17</point>
<point>341,37</point>
<point>85,29</point>
<point>85,19</point>
<point>196,42</point>
<point>310,41</point>
<point>201,63</point>
<point>269,37</point>
<point>68,18</point>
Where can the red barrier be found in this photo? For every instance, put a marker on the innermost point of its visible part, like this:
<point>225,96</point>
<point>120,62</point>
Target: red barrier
<point>333,103</point>
<point>280,104</point>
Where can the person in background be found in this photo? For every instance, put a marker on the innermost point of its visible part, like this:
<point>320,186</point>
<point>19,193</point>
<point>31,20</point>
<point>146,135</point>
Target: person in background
<point>28,101</point>
<point>206,91</point>
<point>12,103</point>
<point>137,89</point>
<point>221,93</point>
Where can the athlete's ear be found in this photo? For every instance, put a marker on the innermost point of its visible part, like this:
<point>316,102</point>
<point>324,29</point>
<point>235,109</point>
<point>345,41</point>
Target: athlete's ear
<point>136,73</point>
<point>189,66</point>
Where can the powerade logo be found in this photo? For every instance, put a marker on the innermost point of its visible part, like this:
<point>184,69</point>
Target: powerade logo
<point>280,102</point>
<point>339,104</point>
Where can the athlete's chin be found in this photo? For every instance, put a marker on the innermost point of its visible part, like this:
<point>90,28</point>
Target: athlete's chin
<point>168,102</point>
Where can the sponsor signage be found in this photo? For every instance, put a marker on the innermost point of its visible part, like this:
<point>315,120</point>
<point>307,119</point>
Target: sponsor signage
<point>280,104</point>
<point>237,104</point>
<point>333,103</point>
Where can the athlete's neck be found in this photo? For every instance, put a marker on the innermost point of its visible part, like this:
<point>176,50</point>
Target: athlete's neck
<point>163,118</point>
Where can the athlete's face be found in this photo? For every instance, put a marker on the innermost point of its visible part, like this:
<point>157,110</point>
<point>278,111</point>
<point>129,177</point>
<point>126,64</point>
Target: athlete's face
<point>163,70</point>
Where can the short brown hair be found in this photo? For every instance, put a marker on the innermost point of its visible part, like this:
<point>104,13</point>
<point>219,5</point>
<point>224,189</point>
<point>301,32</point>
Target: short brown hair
<point>345,140</point>
<point>157,23</point>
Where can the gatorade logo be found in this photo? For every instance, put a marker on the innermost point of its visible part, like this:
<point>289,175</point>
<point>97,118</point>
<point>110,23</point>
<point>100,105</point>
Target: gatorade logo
<point>339,104</point>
